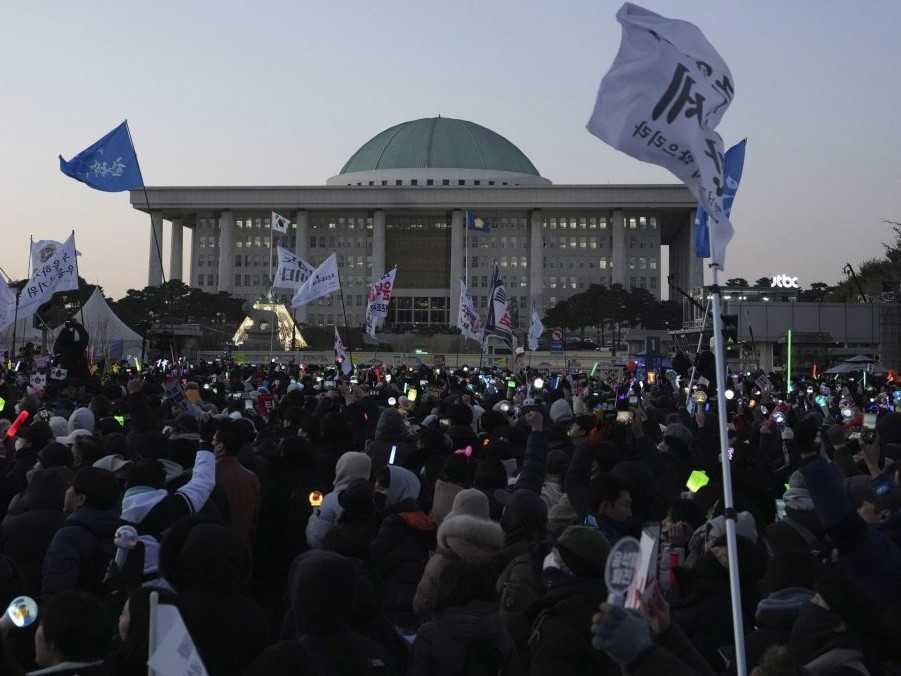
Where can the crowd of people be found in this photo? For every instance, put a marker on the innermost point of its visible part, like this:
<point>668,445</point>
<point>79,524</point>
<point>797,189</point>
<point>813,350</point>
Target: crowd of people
<point>447,521</point>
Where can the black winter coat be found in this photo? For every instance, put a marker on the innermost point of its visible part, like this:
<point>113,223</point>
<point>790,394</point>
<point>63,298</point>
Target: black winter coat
<point>80,551</point>
<point>26,538</point>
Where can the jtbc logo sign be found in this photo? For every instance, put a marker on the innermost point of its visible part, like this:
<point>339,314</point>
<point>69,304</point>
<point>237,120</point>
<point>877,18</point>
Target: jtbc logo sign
<point>785,282</point>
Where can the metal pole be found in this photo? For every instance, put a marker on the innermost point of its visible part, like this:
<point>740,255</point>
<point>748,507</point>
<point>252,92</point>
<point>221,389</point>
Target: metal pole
<point>788,370</point>
<point>350,351</point>
<point>274,315</point>
<point>78,280</point>
<point>732,545</point>
<point>12,352</point>
<point>700,340</point>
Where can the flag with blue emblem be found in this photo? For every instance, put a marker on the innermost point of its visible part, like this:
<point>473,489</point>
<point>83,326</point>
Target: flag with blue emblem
<point>477,223</point>
<point>110,164</point>
<point>733,164</point>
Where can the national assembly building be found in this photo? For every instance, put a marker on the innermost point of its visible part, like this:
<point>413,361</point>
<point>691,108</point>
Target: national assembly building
<point>401,199</point>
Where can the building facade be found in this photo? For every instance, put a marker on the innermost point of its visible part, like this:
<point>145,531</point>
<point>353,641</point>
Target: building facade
<point>401,201</point>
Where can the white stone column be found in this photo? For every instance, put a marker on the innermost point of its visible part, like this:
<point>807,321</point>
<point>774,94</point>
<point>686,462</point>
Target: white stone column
<point>378,243</point>
<point>456,262</point>
<point>536,263</point>
<point>302,249</point>
<point>175,253</point>
<point>195,245</point>
<point>226,251</point>
<point>620,260</point>
<point>694,265</point>
<point>155,262</point>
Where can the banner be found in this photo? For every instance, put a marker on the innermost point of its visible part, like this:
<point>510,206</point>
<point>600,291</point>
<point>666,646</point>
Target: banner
<point>52,271</point>
<point>323,282</point>
<point>279,223</point>
<point>378,300</point>
<point>661,102</point>
<point>174,651</point>
<point>7,303</point>
<point>735,163</point>
<point>292,271</point>
<point>341,355</point>
<point>109,164</point>
<point>536,328</point>
<point>468,320</point>
<point>499,323</point>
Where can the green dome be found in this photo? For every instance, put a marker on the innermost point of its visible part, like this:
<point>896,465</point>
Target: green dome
<point>439,143</point>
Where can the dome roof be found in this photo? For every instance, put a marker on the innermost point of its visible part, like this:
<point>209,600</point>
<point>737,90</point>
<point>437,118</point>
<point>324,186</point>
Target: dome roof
<point>439,143</point>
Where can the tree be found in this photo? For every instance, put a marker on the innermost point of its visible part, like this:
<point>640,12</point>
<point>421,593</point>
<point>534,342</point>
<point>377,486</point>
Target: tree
<point>737,283</point>
<point>176,301</point>
<point>763,283</point>
<point>817,293</point>
<point>874,274</point>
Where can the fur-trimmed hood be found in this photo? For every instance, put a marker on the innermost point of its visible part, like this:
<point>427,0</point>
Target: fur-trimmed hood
<point>473,539</point>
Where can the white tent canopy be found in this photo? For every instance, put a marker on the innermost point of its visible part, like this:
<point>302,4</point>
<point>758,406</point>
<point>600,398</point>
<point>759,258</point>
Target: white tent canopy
<point>106,330</point>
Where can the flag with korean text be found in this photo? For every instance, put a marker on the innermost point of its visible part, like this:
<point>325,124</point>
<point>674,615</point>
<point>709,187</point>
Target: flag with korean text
<point>499,323</point>
<point>378,300</point>
<point>109,164</point>
<point>292,270</point>
<point>341,355</point>
<point>468,320</point>
<point>536,328</point>
<point>323,282</point>
<point>279,223</point>
<point>53,270</point>
<point>661,102</point>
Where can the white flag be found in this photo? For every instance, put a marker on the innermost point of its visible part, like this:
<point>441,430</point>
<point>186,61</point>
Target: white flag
<point>279,223</point>
<point>323,282</point>
<point>174,652</point>
<point>292,271</point>
<point>341,355</point>
<point>52,271</point>
<point>468,320</point>
<point>378,300</point>
<point>536,328</point>
<point>661,102</point>
<point>7,303</point>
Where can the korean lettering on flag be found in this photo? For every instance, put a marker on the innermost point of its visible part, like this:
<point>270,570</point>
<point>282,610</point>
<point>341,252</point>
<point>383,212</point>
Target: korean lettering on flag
<point>536,328</point>
<point>109,164</point>
<point>341,355</point>
<point>468,320</point>
<point>661,102</point>
<point>52,271</point>
<point>323,282</point>
<point>279,223</point>
<point>378,300</point>
<point>292,271</point>
<point>7,303</point>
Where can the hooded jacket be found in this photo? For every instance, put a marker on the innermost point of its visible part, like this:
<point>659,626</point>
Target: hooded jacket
<point>350,466</point>
<point>152,511</point>
<point>401,549</point>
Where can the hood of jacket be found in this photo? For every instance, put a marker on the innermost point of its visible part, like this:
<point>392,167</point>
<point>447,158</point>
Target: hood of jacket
<point>101,522</point>
<point>404,486</point>
<point>351,465</point>
<point>474,540</point>
<point>321,591</point>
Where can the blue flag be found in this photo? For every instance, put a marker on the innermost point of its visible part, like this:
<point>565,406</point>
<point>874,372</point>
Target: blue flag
<point>476,223</point>
<point>110,164</point>
<point>733,166</point>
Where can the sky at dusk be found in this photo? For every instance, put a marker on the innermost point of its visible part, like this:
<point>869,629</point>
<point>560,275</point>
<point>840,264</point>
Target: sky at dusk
<point>282,93</point>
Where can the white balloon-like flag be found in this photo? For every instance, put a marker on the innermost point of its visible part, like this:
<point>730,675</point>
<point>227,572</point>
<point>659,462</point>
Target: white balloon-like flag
<point>661,102</point>
<point>323,282</point>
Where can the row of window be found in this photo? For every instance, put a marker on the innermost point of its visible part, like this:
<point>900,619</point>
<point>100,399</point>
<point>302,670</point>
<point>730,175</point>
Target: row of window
<point>510,281</point>
<point>431,181</point>
<point>333,242</point>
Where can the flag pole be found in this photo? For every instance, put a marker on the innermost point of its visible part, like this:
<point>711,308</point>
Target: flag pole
<point>78,280</point>
<point>728,502</point>
<point>274,315</point>
<point>157,244</point>
<point>350,351</point>
<point>691,380</point>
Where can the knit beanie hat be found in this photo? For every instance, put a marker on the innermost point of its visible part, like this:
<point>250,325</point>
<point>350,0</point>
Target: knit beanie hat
<point>561,516</point>
<point>584,550</point>
<point>81,419</point>
<point>472,502</point>
<point>357,500</point>
<point>561,412</point>
<point>474,540</point>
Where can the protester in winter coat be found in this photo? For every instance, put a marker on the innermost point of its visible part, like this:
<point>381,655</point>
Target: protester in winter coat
<point>390,435</point>
<point>519,585</point>
<point>28,442</point>
<point>552,489</point>
<point>357,526</point>
<point>208,567</point>
<point>350,466</point>
<point>240,485</point>
<point>29,528</point>
<point>81,549</point>
<point>468,535</point>
<point>322,596</point>
<point>800,529</point>
<point>401,548</point>
<point>573,576</point>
